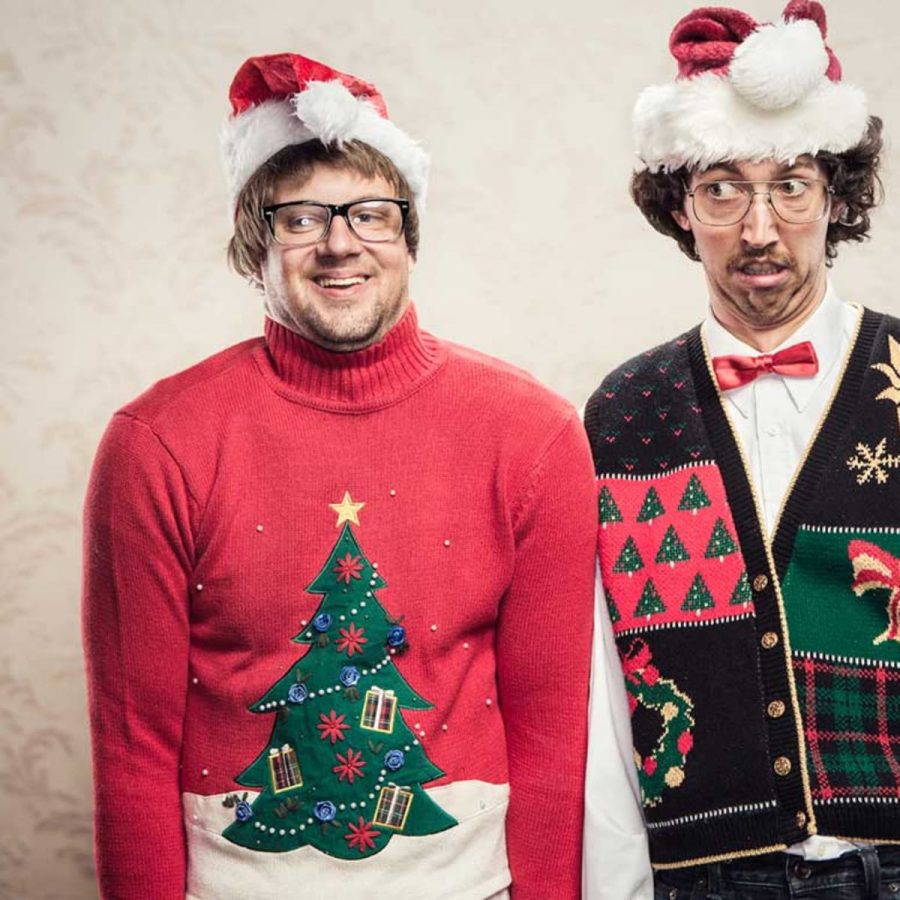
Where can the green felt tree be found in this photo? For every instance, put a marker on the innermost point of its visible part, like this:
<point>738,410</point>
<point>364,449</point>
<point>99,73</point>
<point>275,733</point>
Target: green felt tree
<point>609,512</point>
<point>741,595</point>
<point>671,550</point>
<point>721,543</point>
<point>650,602</point>
<point>651,508</point>
<point>694,497</point>
<point>629,559</point>
<point>341,771</point>
<point>698,596</point>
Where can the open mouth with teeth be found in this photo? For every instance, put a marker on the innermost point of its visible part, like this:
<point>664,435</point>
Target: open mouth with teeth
<point>761,268</point>
<point>329,282</point>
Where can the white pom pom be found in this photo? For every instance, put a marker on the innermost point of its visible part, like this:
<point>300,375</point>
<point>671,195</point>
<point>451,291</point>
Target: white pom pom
<point>328,110</point>
<point>779,64</point>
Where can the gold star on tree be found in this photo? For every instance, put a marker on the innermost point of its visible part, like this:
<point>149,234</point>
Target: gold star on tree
<point>347,510</point>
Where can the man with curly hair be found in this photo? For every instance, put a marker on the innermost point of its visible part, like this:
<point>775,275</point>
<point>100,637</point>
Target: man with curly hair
<point>749,500</point>
<point>327,570</point>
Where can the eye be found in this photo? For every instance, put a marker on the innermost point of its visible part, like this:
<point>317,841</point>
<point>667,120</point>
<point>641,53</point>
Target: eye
<point>721,190</point>
<point>793,187</point>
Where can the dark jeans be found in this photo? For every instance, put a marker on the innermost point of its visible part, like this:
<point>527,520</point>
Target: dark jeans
<point>871,873</point>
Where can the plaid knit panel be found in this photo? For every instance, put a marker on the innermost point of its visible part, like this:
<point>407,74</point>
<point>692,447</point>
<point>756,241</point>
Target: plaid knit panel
<point>841,598</point>
<point>851,715</point>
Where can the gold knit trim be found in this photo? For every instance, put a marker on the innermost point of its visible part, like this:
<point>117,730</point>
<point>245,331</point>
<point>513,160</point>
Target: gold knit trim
<point>721,857</point>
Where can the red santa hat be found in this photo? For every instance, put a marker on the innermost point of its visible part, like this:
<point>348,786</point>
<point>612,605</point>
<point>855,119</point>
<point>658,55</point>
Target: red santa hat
<point>286,99</point>
<point>748,90</point>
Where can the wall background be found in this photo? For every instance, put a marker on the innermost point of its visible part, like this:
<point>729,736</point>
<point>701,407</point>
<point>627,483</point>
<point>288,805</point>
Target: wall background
<point>112,236</point>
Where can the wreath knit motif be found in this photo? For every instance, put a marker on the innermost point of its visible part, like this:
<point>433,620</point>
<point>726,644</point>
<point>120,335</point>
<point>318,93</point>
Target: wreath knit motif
<point>663,767</point>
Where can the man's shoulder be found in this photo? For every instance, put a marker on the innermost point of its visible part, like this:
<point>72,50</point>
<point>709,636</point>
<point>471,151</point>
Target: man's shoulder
<point>489,381</point>
<point>660,370</point>
<point>196,387</point>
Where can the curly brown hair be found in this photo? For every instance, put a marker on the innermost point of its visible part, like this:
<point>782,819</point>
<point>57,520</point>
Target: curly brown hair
<point>249,244</point>
<point>853,175</point>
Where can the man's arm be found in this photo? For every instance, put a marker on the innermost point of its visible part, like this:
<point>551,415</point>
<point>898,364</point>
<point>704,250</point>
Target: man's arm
<point>543,654</point>
<point>616,859</point>
<point>138,556</point>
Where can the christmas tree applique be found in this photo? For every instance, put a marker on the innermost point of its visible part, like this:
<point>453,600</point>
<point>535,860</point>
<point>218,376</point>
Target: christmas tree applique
<point>694,497</point>
<point>671,550</point>
<point>698,596</point>
<point>650,603</point>
<point>741,595</point>
<point>721,543</point>
<point>629,560</point>
<point>609,512</point>
<point>651,508</point>
<point>341,771</point>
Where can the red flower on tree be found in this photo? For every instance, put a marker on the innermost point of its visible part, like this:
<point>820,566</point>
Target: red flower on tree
<point>332,726</point>
<point>362,836</point>
<point>350,766</point>
<point>351,640</point>
<point>348,568</point>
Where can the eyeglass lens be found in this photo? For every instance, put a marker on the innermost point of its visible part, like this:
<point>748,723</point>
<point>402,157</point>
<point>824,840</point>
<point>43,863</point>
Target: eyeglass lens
<point>796,200</point>
<point>307,223</point>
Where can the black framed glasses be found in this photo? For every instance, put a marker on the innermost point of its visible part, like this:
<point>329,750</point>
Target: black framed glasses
<point>302,222</point>
<point>797,201</point>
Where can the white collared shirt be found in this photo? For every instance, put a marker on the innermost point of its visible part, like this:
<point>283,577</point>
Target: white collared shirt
<point>775,419</point>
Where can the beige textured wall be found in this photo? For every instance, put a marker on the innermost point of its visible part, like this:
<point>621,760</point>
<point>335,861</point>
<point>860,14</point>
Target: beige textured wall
<point>112,236</point>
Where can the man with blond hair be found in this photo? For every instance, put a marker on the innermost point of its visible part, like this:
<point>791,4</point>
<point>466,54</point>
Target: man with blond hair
<point>414,515</point>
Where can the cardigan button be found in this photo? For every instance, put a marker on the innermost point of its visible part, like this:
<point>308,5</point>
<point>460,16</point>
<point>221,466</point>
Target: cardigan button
<point>800,819</point>
<point>782,766</point>
<point>760,583</point>
<point>775,709</point>
<point>769,640</point>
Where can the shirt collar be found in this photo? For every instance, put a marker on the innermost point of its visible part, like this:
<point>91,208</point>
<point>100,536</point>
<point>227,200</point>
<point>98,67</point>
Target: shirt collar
<point>826,328</point>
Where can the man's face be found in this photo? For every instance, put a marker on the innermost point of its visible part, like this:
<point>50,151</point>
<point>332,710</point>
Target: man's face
<point>341,293</point>
<point>762,272</point>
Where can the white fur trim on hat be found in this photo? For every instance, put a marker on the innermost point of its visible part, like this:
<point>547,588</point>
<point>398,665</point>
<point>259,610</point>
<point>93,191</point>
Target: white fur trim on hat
<point>324,111</point>
<point>697,122</point>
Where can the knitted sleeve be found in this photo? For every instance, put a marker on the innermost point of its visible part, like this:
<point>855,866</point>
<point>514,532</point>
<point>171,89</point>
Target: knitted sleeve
<point>137,560</point>
<point>543,658</point>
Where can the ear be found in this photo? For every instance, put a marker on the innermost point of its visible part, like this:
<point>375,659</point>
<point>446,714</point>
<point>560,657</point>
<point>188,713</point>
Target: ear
<point>681,219</point>
<point>838,208</point>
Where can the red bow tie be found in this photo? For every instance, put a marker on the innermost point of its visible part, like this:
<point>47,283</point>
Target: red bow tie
<point>733,371</point>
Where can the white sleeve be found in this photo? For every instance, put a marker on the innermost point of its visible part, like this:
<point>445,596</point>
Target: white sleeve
<point>616,858</point>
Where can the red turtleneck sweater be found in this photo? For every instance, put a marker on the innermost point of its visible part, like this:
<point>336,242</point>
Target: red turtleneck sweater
<point>212,509</point>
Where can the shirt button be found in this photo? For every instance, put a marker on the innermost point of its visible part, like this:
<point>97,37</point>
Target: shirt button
<point>769,640</point>
<point>775,709</point>
<point>773,430</point>
<point>760,583</point>
<point>782,766</point>
<point>800,819</point>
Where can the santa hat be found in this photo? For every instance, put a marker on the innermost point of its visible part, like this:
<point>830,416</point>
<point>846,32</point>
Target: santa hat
<point>286,99</point>
<point>748,91</point>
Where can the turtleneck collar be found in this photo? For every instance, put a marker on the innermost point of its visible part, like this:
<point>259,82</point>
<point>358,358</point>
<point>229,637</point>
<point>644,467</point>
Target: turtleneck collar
<point>358,381</point>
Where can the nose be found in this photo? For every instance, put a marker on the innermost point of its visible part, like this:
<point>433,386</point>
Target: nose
<point>340,240</point>
<point>759,227</point>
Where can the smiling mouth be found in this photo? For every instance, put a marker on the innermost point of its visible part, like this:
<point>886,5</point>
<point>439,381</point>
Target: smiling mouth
<point>329,282</point>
